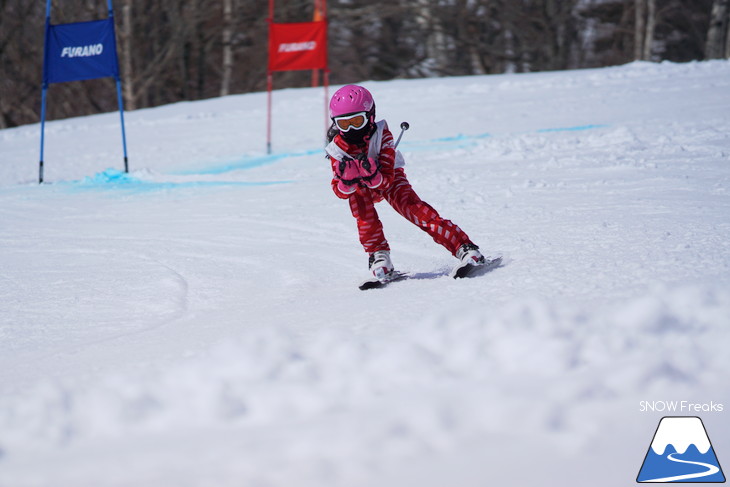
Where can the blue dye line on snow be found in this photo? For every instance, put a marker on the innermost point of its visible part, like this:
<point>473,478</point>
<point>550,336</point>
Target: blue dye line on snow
<point>573,129</point>
<point>458,141</point>
<point>114,179</point>
<point>250,163</point>
<point>461,141</point>
<point>119,180</point>
<point>461,138</point>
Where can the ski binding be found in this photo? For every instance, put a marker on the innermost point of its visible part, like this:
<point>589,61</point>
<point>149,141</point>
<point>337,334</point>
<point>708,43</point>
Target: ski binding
<point>375,283</point>
<point>467,269</point>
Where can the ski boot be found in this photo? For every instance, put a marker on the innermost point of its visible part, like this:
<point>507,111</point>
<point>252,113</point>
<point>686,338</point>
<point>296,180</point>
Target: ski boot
<point>473,262</point>
<point>469,254</point>
<point>381,266</point>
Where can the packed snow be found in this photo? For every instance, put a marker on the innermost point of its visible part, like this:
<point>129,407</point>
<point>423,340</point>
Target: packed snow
<point>197,321</point>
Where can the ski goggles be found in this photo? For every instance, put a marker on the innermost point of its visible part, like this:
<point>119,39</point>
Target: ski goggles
<point>354,121</point>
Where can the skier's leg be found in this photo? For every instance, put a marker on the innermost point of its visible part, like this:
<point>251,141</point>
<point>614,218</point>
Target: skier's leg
<point>369,226</point>
<point>405,201</point>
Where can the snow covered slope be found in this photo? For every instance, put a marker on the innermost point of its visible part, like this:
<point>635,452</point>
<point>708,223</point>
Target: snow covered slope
<point>197,322</point>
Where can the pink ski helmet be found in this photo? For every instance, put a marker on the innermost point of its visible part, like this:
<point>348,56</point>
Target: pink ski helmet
<point>351,99</point>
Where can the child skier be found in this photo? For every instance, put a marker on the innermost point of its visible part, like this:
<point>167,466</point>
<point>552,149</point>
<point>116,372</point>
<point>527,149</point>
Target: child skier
<point>368,169</point>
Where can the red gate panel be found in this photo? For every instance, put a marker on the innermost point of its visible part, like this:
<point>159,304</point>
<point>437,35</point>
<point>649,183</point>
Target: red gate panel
<point>296,46</point>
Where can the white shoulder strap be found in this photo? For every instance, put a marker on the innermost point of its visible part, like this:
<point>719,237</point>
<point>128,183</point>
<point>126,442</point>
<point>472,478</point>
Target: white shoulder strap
<point>376,143</point>
<point>335,152</point>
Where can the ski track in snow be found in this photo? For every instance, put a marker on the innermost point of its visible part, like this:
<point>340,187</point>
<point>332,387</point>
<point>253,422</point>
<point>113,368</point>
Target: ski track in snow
<point>197,322</point>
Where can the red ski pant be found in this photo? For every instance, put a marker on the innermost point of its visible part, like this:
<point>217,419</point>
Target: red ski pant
<point>405,201</point>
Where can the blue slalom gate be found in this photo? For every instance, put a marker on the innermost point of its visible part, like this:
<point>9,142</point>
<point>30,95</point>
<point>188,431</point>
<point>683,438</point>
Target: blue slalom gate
<point>80,51</point>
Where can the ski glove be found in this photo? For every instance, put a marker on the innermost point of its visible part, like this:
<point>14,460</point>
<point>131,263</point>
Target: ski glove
<point>369,172</point>
<point>348,175</point>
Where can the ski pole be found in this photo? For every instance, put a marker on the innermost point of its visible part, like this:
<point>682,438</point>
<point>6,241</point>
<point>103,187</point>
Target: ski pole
<point>403,127</point>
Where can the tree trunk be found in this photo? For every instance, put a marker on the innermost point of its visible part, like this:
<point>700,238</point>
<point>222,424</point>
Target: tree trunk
<point>650,24</point>
<point>227,47</point>
<point>436,50</point>
<point>127,33</point>
<point>639,28</point>
<point>717,41</point>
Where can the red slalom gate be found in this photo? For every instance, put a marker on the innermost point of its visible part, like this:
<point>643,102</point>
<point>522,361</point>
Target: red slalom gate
<point>297,46</point>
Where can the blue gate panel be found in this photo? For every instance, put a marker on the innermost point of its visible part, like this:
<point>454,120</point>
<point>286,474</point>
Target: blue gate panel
<point>80,51</point>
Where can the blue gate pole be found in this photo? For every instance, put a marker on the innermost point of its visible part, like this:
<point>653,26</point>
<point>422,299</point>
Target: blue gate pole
<point>121,116</point>
<point>120,100</point>
<point>44,90</point>
<point>43,130</point>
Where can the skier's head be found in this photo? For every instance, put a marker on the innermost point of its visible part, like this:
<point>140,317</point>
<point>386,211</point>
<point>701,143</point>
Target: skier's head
<point>352,110</point>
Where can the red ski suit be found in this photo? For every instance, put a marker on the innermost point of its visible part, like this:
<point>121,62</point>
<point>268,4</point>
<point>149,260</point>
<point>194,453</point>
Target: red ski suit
<point>397,191</point>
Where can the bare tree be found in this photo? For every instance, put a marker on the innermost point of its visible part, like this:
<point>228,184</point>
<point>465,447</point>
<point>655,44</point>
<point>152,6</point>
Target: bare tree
<point>650,26</point>
<point>644,25</point>
<point>227,37</point>
<point>435,51</point>
<point>718,40</point>
<point>126,36</point>
<point>20,79</point>
<point>172,50</point>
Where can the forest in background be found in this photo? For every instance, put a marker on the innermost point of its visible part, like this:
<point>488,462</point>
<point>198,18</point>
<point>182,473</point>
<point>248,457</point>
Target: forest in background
<point>175,50</point>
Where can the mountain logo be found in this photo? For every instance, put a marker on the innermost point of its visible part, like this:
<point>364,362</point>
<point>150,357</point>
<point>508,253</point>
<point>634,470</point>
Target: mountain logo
<point>680,452</point>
